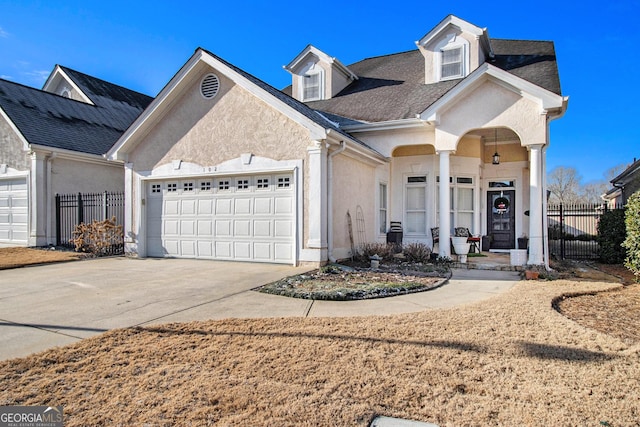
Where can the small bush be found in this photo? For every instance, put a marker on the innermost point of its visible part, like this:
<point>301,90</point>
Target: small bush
<point>632,240</point>
<point>416,252</point>
<point>611,235</point>
<point>97,238</point>
<point>383,250</point>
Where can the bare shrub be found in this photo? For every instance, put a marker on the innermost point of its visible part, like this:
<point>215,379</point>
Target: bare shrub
<point>383,250</point>
<point>416,252</point>
<point>97,238</point>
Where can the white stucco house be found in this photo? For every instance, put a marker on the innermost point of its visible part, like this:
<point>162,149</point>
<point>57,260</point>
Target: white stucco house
<point>449,134</point>
<point>53,140</point>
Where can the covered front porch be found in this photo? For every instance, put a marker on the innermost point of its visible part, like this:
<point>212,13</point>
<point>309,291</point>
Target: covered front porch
<point>486,186</point>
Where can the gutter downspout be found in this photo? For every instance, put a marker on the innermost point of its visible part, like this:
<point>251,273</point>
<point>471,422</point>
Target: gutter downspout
<point>343,146</point>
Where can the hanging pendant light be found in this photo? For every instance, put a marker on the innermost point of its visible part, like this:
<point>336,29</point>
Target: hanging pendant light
<point>496,156</point>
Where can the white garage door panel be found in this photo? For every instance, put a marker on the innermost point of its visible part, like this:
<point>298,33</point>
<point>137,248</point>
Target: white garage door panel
<point>243,219</point>
<point>14,212</point>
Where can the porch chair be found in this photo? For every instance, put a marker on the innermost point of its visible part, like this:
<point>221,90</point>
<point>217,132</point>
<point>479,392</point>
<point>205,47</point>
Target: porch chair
<point>474,240</point>
<point>435,236</point>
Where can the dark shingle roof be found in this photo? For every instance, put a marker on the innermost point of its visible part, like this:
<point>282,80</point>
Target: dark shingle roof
<point>534,61</point>
<point>392,87</point>
<point>54,121</point>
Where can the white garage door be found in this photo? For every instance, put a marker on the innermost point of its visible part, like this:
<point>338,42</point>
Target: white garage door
<point>13,211</point>
<point>243,218</point>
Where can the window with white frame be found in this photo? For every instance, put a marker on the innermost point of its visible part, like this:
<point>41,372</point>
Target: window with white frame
<point>415,212</point>
<point>462,197</point>
<point>383,208</point>
<point>452,62</point>
<point>311,84</point>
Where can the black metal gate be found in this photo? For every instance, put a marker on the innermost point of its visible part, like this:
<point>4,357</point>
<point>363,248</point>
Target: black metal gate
<point>74,209</point>
<point>573,230</point>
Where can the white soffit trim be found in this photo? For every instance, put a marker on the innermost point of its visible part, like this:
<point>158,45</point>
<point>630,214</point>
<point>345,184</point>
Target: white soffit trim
<point>387,125</point>
<point>59,73</point>
<point>455,21</point>
<point>546,99</point>
<point>74,155</point>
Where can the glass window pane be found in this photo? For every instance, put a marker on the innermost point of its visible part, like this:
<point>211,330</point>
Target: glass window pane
<point>465,220</point>
<point>414,179</point>
<point>415,198</point>
<point>465,199</point>
<point>416,222</point>
<point>383,196</point>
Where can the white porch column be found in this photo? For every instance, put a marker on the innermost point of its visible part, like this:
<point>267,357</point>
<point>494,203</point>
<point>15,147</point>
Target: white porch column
<point>318,199</point>
<point>444,244</point>
<point>130,235</point>
<point>38,200</point>
<point>536,199</point>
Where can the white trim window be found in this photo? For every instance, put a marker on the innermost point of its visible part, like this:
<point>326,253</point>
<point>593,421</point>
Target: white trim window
<point>382,216</point>
<point>462,195</point>
<point>415,207</point>
<point>452,62</point>
<point>312,86</point>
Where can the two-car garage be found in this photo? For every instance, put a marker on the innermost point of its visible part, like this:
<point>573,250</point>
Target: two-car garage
<point>240,218</point>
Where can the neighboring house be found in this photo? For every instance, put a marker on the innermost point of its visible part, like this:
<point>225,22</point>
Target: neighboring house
<point>624,185</point>
<point>53,141</point>
<point>451,134</point>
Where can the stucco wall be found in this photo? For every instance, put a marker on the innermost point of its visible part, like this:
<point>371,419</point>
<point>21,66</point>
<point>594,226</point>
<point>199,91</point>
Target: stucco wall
<point>491,105</point>
<point>209,132</point>
<point>11,148</point>
<point>72,176</point>
<point>385,142</point>
<point>354,184</point>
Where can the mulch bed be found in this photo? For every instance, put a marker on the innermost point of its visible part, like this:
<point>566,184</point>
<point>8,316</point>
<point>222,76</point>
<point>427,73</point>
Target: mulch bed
<point>345,283</point>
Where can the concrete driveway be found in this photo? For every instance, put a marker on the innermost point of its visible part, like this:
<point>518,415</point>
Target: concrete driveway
<point>58,304</point>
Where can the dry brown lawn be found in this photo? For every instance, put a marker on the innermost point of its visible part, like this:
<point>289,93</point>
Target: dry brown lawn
<point>18,257</point>
<point>511,360</point>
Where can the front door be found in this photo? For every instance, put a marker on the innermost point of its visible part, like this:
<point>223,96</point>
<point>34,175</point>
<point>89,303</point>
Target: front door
<point>501,219</point>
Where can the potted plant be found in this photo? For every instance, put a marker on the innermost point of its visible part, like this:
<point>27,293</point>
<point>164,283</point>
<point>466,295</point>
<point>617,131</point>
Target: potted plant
<point>523,241</point>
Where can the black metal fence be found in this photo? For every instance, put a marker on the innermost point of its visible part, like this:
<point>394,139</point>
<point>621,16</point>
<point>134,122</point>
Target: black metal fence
<point>74,209</point>
<point>573,230</point>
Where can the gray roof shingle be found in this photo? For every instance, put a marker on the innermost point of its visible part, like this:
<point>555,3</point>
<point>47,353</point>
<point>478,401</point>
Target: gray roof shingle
<point>53,121</point>
<point>391,87</point>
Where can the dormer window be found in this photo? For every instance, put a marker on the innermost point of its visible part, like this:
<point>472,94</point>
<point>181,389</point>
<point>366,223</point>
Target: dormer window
<point>452,63</point>
<point>311,86</point>
<point>317,76</point>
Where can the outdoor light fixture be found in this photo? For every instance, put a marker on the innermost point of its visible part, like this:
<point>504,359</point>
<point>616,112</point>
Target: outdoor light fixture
<point>496,156</point>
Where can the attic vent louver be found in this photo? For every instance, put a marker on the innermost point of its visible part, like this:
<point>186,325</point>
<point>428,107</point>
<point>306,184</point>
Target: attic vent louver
<point>210,85</point>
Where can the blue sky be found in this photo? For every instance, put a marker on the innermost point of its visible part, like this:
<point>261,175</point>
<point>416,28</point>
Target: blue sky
<point>142,44</point>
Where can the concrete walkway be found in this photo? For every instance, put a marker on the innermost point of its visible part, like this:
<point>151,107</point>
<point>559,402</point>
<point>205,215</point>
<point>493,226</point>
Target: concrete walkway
<point>58,304</point>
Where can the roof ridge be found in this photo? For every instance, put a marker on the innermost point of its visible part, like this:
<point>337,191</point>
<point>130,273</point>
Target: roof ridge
<point>521,40</point>
<point>384,56</point>
<point>45,93</point>
<point>65,68</point>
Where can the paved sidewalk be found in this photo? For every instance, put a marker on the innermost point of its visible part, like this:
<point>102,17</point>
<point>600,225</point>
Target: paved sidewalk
<point>58,304</point>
